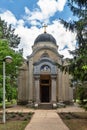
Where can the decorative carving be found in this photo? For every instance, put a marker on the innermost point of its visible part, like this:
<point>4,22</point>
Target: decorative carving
<point>45,68</point>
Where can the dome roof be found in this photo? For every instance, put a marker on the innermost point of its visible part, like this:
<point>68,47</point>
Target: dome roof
<point>45,37</point>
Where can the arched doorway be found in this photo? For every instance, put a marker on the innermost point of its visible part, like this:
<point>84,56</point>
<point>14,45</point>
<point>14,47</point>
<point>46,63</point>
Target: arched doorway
<point>45,88</point>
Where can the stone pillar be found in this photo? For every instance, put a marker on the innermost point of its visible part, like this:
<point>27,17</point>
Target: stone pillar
<point>30,80</point>
<point>60,89</point>
<point>53,88</point>
<point>37,89</point>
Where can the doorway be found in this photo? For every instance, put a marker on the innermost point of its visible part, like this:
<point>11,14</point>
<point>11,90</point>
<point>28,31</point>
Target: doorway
<point>45,88</point>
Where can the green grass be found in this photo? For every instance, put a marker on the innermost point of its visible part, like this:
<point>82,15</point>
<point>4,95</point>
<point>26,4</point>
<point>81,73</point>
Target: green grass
<point>15,121</point>
<point>8,104</point>
<point>14,125</point>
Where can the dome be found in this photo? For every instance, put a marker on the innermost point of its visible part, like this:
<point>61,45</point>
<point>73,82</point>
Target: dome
<point>45,37</point>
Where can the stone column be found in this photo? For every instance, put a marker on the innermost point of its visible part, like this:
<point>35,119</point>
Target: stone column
<point>30,80</point>
<point>53,88</point>
<point>37,89</point>
<point>60,89</point>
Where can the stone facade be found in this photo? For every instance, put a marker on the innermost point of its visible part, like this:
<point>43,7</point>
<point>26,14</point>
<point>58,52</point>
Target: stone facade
<point>40,80</point>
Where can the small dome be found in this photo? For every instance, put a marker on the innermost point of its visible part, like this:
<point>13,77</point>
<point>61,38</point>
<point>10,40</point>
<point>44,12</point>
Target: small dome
<point>45,37</point>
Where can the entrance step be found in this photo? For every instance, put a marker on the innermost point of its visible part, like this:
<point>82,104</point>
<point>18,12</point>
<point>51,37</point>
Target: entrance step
<point>46,106</point>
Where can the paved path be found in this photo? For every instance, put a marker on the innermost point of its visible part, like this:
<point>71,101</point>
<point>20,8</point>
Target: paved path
<point>46,120</point>
<point>50,120</point>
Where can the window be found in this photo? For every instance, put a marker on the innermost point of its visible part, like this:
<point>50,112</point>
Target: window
<point>44,55</point>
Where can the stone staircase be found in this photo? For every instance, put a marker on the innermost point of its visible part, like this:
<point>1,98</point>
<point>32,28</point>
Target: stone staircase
<point>45,106</point>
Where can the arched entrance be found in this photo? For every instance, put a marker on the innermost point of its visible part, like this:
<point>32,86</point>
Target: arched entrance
<point>45,81</point>
<point>45,88</point>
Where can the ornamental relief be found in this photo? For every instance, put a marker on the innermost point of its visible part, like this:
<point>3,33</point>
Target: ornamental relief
<point>45,68</point>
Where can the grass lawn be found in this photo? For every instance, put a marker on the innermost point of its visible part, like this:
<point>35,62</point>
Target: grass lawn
<point>15,121</point>
<point>75,121</point>
<point>9,104</point>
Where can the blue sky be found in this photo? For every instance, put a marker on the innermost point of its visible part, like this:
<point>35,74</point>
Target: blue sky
<point>28,17</point>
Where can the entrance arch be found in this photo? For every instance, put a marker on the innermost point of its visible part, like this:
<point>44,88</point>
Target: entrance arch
<point>45,88</point>
<point>45,81</point>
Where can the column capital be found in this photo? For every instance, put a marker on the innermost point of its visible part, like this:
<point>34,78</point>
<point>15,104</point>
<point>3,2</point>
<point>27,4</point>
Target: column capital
<point>37,77</point>
<point>53,77</point>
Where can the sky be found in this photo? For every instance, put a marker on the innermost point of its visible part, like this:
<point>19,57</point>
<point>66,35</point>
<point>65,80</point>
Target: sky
<point>29,16</point>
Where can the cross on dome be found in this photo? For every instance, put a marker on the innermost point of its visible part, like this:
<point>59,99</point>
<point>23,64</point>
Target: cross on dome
<point>44,28</point>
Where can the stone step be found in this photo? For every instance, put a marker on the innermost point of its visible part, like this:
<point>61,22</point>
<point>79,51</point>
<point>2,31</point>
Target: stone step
<point>45,106</point>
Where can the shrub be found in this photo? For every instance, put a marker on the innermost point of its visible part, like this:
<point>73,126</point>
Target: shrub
<point>85,107</point>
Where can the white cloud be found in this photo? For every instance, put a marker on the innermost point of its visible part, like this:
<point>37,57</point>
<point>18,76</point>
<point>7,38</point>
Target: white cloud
<point>27,11</point>
<point>47,8</point>
<point>28,35</point>
<point>9,17</point>
<point>61,4</point>
<point>65,53</point>
<point>20,22</point>
<point>63,37</point>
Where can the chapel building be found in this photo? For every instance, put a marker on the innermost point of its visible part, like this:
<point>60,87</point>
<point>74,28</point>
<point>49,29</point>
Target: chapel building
<point>40,80</point>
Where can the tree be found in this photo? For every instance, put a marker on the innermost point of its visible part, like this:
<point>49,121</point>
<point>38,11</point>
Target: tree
<point>8,33</point>
<point>11,69</point>
<point>78,65</point>
<point>1,94</point>
<point>8,41</point>
<point>82,93</point>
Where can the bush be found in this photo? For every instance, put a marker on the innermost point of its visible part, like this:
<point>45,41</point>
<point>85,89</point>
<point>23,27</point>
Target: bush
<point>82,94</point>
<point>85,107</point>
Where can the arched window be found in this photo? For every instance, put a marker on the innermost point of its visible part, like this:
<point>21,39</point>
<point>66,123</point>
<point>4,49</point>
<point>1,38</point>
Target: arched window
<point>44,55</point>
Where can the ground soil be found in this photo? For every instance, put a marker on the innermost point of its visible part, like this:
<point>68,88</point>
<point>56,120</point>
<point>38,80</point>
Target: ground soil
<point>75,120</point>
<point>14,116</point>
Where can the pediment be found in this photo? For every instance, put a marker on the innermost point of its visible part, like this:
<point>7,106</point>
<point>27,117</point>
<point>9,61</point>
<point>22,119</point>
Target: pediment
<point>45,65</point>
<point>44,59</point>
